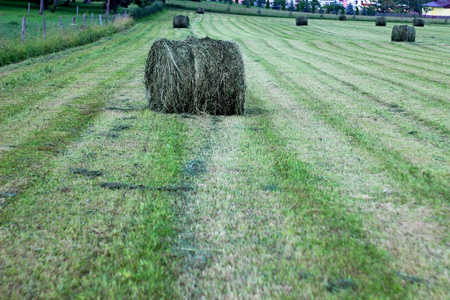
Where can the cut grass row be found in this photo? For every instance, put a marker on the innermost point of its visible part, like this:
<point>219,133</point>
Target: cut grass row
<point>415,173</point>
<point>76,238</point>
<point>300,197</point>
<point>366,180</point>
<point>236,9</point>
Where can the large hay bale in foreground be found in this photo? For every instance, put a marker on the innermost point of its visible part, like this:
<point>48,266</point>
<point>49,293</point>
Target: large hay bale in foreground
<point>380,21</point>
<point>195,76</point>
<point>180,21</point>
<point>301,21</point>
<point>200,10</point>
<point>342,18</point>
<point>418,22</point>
<point>403,33</point>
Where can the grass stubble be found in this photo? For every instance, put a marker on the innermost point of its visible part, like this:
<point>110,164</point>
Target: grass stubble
<point>300,197</point>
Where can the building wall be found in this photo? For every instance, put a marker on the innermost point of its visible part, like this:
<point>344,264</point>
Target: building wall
<point>438,11</point>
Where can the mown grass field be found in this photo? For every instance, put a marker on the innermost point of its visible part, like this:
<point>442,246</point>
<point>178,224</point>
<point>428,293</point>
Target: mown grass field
<point>12,12</point>
<point>333,184</point>
<point>238,9</point>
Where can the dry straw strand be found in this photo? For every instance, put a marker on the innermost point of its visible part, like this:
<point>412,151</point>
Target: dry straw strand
<point>195,76</point>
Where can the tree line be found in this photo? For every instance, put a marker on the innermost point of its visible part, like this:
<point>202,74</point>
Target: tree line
<point>397,6</point>
<point>108,4</point>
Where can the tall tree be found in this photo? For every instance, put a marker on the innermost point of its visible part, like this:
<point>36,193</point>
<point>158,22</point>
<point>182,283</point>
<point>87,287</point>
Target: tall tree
<point>314,4</point>
<point>107,7</point>
<point>41,8</point>
<point>307,7</point>
<point>350,10</point>
<point>55,3</point>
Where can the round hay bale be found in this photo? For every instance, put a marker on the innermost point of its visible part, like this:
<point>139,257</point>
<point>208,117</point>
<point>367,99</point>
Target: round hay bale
<point>301,21</point>
<point>418,22</point>
<point>195,76</point>
<point>342,18</point>
<point>403,33</point>
<point>410,34</point>
<point>200,10</point>
<point>380,21</point>
<point>180,21</point>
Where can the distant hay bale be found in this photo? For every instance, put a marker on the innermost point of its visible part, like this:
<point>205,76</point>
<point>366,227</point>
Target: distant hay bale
<point>403,33</point>
<point>200,10</point>
<point>380,21</point>
<point>195,76</point>
<point>418,22</point>
<point>301,21</point>
<point>180,21</point>
<point>342,18</point>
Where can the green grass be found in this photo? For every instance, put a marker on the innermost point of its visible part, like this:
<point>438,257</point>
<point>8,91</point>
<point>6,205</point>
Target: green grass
<point>237,9</point>
<point>333,184</point>
<point>11,48</point>
<point>12,13</point>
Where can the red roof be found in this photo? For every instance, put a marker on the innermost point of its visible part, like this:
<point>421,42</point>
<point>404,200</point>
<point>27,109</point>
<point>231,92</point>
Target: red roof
<point>438,3</point>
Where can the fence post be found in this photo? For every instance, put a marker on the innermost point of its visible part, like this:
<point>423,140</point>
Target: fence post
<point>60,24</point>
<point>84,21</point>
<point>73,23</point>
<point>45,29</point>
<point>100,19</point>
<point>24,25</point>
<point>29,4</point>
<point>77,11</point>
<point>113,19</point>
<point>92,18</point>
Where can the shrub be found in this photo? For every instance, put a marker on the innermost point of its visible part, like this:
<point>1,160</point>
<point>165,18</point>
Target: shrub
<point>371,11</point>
<point>140,12</point>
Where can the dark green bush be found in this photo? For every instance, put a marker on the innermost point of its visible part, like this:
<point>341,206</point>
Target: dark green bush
<point>140,12</point>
